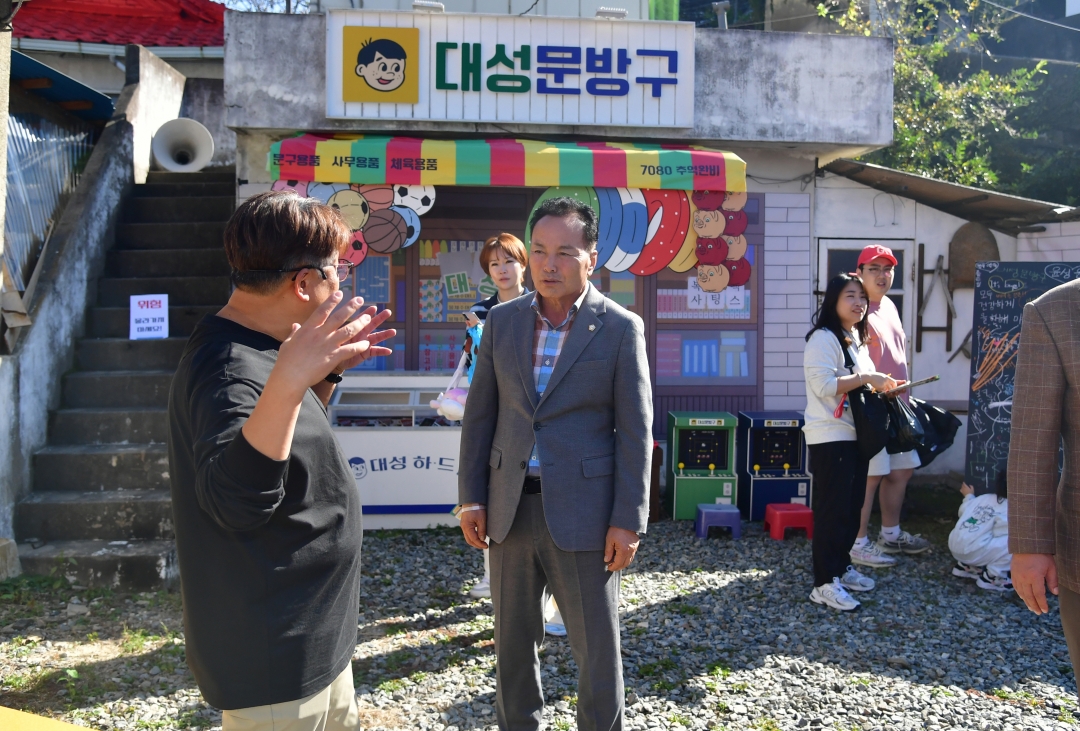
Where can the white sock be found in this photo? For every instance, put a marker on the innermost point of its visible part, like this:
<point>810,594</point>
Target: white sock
<point>891,534</point>
<point>862,542</point>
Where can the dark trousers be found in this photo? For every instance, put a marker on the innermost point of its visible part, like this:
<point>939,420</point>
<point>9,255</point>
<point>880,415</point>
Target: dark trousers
<point>1069,608</point>
<point>522,566</point>
<point>839,490</point>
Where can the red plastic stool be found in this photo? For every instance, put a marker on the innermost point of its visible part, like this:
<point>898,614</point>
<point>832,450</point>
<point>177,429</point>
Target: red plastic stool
<point>780,516</point>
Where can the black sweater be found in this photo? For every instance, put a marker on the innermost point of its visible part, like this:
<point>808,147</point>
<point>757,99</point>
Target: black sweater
<point>269,551</point>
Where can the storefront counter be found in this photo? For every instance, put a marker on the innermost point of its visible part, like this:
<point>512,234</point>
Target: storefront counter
<point>404,455</point>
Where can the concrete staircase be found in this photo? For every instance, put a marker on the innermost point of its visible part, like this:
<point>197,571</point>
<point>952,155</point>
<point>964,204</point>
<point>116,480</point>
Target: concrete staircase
<point>100,511</point>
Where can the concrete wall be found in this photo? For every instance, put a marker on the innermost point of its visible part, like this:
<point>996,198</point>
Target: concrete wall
<point>1060,242</point>
<point>827,95</point>
<point>151,98</point>
<point>30,379</point>
<point>105,75</point>
<point>204,101</point>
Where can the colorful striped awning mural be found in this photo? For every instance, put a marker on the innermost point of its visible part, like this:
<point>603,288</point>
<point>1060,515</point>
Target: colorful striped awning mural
<point>504,162</point>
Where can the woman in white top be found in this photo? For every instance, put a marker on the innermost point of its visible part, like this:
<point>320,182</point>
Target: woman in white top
<point>839,469</point>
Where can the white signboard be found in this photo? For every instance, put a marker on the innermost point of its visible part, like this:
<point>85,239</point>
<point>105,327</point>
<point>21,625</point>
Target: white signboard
<point>507,68</point>
<point>404,471</point>
<point>149,316</point>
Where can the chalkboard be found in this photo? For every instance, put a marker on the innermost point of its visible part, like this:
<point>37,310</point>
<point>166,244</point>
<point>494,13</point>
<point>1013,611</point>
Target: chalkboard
<point>1001,291</point>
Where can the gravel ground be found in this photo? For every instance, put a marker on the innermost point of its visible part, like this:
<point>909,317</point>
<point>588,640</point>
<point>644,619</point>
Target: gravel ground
<point>717,634</point>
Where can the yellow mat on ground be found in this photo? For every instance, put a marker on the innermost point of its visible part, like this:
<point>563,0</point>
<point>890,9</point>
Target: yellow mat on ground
<point>12,720</point>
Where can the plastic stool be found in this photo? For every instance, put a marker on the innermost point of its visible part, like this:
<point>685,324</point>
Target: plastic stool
<point>724,516</point>
<point>781,516</point>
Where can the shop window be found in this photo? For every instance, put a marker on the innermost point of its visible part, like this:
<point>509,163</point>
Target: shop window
<point>394,362</point>
<point>440,349</point>
<point>451,279</point>
<point>706,358</point>
<point>719,293</point>
<point>619,287</point>
<point>380,280</point>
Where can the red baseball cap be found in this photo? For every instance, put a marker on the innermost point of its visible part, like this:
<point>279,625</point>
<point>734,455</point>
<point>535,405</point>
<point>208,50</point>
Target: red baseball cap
<point>875,251</point>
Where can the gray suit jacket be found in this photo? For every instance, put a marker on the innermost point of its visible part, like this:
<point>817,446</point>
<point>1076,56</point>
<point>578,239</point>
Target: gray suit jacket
<point>1044,510</point>
<point>592,427</point>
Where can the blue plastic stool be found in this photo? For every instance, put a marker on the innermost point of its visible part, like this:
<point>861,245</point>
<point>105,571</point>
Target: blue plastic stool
<point>724,516</point>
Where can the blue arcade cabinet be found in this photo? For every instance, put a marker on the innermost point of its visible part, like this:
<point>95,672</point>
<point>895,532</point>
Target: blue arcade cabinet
<point>771,461</point>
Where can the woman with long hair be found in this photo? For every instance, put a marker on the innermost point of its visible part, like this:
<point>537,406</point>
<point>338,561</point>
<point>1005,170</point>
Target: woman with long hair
<point>838,467</point>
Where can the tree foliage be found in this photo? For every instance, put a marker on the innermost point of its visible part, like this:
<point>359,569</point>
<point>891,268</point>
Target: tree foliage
<point>943,125</point>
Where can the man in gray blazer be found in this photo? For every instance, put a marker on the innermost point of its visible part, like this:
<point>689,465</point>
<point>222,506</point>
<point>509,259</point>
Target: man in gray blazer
<point>555,454</point>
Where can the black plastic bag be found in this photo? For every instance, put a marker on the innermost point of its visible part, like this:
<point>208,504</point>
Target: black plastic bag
<point>870,414</point>
<point>905,430</point>
<point>939,428</point>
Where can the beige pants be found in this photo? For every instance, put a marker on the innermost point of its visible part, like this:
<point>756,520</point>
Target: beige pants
<point>331,709</point>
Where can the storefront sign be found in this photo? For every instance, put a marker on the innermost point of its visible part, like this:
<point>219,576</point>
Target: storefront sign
<point>149,316</point>
<point>491,68</point>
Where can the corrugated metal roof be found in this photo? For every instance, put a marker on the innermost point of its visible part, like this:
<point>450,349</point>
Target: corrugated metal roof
<point>1006,213</point>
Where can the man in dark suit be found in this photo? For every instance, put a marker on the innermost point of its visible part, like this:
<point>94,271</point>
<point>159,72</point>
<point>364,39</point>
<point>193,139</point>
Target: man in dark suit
<point>1044,508</point>
<point>555,454</point>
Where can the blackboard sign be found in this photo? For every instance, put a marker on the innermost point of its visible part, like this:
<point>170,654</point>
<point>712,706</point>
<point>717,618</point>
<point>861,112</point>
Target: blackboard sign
<point>1002,288</point>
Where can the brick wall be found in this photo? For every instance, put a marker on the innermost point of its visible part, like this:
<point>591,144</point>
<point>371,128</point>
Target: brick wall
<point>788,296</point>
<point>1060,242</point>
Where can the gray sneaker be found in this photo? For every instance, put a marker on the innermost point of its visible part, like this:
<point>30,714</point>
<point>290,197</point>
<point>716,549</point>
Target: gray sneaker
<point>870,555</point>
<point>906,543</point>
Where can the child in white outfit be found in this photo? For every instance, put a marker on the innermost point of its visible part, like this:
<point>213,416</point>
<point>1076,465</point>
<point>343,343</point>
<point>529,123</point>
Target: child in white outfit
<point>980,540</point>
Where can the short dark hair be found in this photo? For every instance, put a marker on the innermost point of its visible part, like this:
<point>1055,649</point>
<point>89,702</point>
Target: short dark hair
<point>566,207</point>
<point>276,230</point>
<point>385,46</point>
<point>826,318</point>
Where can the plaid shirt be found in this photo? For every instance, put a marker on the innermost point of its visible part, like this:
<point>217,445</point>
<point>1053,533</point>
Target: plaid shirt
<point>548,341</point>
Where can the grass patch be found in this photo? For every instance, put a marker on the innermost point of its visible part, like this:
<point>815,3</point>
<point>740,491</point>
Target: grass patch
<point>687,610</point>
<point>679,719</point>
<point>392,686</point>
<point>766,724</point>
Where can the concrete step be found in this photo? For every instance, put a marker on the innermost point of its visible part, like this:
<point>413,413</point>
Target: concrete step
<point>198,235</point>
<point>110,389</point>
<point>119,354</point>
<point>186,189</point>
<point>206,175</point>
<point>114,322</point>
<point>114,292</point>
<point>117,565</point>
<point>111,515</point>
<point>108,426</point>
<point>169,210</point>
<point>166,263</point>
<point>87,467</point>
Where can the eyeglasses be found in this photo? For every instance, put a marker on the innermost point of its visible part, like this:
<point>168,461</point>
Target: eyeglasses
<point>343,269</point>
<point>875,271</point>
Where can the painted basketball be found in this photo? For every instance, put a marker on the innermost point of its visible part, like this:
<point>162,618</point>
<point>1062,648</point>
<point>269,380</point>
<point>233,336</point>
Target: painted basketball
<point>352,206</point>
<point>412,222</point>
<point>386,231</point>
<point>378,196</point>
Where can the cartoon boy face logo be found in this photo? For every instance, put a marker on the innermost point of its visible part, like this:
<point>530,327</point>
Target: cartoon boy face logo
<point>381,63</point>
<point>359,467</point>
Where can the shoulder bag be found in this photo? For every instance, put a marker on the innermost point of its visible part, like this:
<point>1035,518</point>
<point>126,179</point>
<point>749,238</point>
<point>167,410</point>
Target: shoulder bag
<point>868,411</point>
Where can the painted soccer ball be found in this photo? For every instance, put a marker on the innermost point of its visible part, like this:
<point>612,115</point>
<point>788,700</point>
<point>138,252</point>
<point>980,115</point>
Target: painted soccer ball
<point>420,198</point>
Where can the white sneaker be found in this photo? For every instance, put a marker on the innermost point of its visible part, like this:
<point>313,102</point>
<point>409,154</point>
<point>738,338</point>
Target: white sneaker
<point>994,583</point>
<point>482,589</point>
<point>870,555</point>
<point>834,595</point>
<point>966,571</point>
<point>906,543</point>
<point>554,629</point>
<point>854,581</point>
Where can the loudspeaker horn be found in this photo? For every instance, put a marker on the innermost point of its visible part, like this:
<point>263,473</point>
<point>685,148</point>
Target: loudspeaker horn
<point>182,146</point>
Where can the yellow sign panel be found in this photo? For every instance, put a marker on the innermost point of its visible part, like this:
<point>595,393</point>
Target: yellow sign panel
<point>380,64</point>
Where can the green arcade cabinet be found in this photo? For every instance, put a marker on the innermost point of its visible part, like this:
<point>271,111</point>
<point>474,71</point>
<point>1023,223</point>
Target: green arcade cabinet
<point>701,461</point>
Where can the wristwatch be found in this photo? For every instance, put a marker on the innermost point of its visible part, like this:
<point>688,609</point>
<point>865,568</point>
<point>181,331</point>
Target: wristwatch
<point>333,378</point>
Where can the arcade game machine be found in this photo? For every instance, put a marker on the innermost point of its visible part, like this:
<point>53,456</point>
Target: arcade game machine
<point>701,464</point>
<point>772,461</point>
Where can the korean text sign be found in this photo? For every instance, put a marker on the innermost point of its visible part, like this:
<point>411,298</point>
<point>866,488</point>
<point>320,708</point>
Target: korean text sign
<point>149,316</point>
<point>474,68</point>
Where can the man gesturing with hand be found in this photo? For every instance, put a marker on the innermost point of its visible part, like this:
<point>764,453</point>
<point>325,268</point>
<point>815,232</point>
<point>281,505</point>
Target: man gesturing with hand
<point>555,452</point>
<point>265,506</point>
